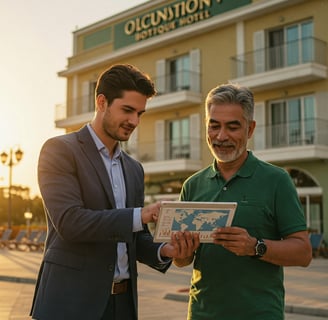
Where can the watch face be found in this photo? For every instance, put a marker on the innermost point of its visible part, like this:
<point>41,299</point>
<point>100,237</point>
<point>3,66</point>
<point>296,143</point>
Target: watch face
<point>261,249</point>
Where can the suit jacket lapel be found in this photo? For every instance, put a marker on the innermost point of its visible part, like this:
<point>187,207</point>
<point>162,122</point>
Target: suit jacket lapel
<point>89,148</point>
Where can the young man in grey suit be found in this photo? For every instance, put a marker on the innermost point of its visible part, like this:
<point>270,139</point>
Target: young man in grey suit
<point>93,195</point>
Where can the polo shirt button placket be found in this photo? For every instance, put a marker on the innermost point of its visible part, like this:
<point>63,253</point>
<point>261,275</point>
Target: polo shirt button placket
<point>225,188</point>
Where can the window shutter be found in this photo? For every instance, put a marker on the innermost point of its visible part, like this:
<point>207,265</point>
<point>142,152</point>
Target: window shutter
<point>320,112</point>
<point>160,139</point>
<point>195,70</point>
<point>240,61</point>
<point>75,102</point>
<point>259,51</point>
<point>260,132</point>
<point>194,130</point>
<point>320,103</point>
<point>160,76</point>
<point>85,96</point>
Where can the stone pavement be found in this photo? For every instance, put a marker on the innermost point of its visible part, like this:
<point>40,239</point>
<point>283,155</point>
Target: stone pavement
<point>162,296</point>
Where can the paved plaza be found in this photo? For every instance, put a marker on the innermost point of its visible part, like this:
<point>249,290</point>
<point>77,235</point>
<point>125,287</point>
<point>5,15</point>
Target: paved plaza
<point>162,296</point>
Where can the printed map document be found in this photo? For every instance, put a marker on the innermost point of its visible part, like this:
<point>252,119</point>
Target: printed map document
<point>200,217</point>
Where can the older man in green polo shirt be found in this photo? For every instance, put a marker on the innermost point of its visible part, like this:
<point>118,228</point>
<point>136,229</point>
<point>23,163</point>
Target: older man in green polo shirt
<point>240,275</point>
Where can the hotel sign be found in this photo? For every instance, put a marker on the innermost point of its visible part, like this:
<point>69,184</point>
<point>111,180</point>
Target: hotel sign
<point>170,17</point>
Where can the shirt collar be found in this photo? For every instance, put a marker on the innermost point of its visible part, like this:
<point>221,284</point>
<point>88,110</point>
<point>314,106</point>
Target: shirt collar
<point>245,170</point>
<point>249,166</point>
<point>99,144</point>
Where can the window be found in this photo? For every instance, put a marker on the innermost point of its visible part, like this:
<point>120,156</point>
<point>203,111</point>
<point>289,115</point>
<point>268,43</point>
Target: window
<point>311,198</point>
<point>276,53</point>
<point>179,139</point>
<point>292,121</point>
<point>309,121</point>
<point>88,96</point>
<point>179,70</point>
<point>179,73</point>
<point>291,45</point>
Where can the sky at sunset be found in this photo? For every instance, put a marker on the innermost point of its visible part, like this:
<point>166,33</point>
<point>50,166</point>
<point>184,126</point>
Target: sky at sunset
<point>36,40</point>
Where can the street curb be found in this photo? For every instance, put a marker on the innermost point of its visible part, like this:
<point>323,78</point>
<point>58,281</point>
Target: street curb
<point>18,279</point>
<point>318,312</point>
<point>296,309</point>
<point>177,297</point>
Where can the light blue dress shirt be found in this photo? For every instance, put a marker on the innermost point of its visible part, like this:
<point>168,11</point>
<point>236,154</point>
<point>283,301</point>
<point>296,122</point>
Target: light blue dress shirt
<point>115,172</point>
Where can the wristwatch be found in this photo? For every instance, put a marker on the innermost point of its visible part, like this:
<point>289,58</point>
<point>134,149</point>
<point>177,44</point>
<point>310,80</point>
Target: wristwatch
<point>260,248</point>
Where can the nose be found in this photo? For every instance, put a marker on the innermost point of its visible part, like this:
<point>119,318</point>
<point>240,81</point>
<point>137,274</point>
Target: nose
<point>134,119</point>
<point>222,135</point>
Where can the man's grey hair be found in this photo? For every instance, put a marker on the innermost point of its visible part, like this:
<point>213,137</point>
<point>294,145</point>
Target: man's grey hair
<point>231,94</point>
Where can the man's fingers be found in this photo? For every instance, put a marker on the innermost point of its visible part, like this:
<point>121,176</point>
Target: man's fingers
<point>187,243</point>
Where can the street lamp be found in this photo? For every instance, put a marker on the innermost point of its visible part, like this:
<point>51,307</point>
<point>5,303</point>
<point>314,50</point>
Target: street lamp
<point>28,216</point>
<point>10,160</point>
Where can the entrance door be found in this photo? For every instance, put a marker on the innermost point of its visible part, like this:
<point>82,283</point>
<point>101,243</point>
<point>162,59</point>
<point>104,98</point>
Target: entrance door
<point>312,206</point>
<point>310,195</point>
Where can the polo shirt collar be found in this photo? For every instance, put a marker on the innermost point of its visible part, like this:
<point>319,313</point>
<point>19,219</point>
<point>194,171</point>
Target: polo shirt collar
<point>249,166</point>
<point>245,170</point>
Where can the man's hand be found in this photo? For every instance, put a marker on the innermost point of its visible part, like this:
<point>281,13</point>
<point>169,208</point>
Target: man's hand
<point>150,213</point>
<point>236,240</point>
<point>181,247</point>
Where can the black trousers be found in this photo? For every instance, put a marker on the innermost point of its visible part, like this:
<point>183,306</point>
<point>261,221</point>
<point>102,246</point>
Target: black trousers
<point>120,307</point>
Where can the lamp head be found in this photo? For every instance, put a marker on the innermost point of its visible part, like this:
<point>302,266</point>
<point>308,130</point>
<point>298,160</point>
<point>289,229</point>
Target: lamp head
<point>19,154</point>
<point>4,157</point>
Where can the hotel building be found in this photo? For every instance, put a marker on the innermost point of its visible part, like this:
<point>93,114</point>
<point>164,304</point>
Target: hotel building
<point>277,48</point>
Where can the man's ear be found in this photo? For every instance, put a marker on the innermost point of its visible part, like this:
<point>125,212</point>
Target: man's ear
<point>251,128</point>
<point>101,102</point>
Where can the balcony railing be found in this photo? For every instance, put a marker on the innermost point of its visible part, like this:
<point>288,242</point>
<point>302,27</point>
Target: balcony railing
<point>184,80</point>
<point>305,50</point>
<point>165,150</point>
<point>181,80</point>
<point>60,111</point>
<point>289,134</point>
<point>75,107</point>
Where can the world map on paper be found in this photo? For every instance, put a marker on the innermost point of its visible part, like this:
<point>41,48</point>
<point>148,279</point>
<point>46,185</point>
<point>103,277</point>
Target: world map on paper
<point>199,220</point>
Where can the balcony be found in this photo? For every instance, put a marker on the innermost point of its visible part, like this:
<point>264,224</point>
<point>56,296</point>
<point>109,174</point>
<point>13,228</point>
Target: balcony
<point>294,62</point>
<point>292,141</point>
<point>167,156</point>
<point>71,121</point>
<point>80,112</point>
<point>176,90</point>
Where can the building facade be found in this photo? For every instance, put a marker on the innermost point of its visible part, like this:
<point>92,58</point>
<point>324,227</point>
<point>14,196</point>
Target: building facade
<point>277,48</point>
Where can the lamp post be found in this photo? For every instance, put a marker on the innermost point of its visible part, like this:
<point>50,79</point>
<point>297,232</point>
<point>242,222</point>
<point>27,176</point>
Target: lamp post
<point>11,159</point>
<point>28,216</point>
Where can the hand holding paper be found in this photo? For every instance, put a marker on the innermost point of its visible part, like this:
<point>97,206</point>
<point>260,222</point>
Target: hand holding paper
<point>181,246</point>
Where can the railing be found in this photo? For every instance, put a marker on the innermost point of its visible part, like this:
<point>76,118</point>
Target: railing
<point>294,133</point>
<point>169,83</point>
<point>181,80</point>
<point>60,111</point>
<point>292,53</point>
<point>165,150</point>
<point>74,107</point>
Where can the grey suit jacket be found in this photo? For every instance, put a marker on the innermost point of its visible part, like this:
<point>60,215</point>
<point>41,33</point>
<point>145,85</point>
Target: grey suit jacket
<point>84,227</point>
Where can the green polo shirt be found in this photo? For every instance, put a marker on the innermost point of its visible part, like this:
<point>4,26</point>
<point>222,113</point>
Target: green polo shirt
<point>228,287</point>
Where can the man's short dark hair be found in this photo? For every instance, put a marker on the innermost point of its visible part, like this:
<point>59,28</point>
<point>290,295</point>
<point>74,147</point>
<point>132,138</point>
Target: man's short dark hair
<point>124,77</point>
